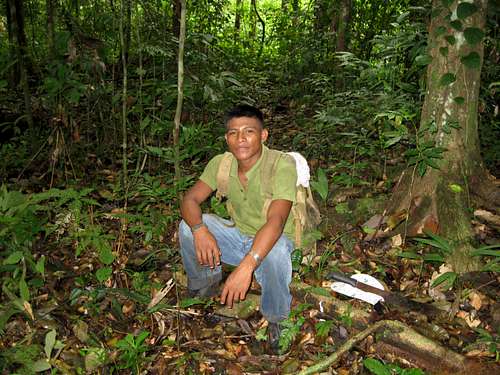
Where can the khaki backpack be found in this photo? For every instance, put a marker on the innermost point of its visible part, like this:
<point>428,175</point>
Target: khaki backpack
<point>305,212</point>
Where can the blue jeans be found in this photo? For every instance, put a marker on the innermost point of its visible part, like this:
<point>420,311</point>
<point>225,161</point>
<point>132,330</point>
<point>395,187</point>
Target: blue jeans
<point>274,273</point>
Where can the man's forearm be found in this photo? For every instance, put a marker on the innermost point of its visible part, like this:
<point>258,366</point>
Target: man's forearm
<point>266,238</point>
<point>191,212</point>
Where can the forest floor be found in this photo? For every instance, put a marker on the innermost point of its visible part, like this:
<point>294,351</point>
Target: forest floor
<point>86,313</point>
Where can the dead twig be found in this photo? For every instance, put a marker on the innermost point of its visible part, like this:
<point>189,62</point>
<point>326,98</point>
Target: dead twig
<point>426,351</point>
<point>344,348</point>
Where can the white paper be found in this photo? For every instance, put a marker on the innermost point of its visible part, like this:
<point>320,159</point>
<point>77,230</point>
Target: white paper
<point>351,291</point>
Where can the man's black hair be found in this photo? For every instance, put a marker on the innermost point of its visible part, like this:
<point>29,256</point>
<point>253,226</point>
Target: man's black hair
<point>244,110</point>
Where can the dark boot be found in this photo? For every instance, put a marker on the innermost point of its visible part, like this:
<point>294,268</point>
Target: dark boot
<point>273,338</point>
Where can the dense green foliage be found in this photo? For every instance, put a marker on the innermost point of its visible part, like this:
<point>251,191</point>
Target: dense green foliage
<point>370,93</point>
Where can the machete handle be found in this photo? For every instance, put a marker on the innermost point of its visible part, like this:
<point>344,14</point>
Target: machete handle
<point>337,276</point>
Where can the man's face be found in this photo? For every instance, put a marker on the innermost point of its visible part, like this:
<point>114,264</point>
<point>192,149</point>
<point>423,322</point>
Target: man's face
<point>244,137</point>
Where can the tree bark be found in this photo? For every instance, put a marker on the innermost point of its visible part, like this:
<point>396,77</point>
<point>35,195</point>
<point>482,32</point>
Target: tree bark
<point>176,17</point>
<point>124,98</point>
<point>127,29</point>
<point>16,10</point>
<point>263,26</point>
<point>180,92</point>
<point>342,25</point>
<point>237,20</point>
<point>253,20</point>
<point>439,201</point>
<point>51,4</point>
<point>13,76</point>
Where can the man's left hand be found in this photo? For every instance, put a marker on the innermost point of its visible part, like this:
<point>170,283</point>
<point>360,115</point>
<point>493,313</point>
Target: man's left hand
<point>237,284</point>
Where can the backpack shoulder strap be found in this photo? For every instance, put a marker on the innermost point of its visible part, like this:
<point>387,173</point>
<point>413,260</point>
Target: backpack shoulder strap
<point>269,164</point>
<point>223,175</point>
<point>268,171</point>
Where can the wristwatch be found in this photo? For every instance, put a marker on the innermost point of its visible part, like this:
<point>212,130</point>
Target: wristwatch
<point>255,257</point>
<point>195,227</point>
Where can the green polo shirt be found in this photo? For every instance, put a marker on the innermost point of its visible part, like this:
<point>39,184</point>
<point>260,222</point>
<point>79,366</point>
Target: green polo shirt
<point>247,204</point>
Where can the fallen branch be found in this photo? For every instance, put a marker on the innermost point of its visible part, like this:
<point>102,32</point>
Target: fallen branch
<point>426,352</point>
<point>344,348</point>
<point>489,217</point>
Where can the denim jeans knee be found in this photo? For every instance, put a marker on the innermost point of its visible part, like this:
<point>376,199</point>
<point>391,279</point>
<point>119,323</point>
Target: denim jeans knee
<point>274,274</point>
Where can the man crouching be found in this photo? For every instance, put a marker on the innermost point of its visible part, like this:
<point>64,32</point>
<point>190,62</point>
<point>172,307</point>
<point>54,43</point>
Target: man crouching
<point>257,239</point>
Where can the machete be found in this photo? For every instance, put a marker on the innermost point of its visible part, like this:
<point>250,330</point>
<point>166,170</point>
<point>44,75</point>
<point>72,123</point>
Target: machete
<point>391,299</point>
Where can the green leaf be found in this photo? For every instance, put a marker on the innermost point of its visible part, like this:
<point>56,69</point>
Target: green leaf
<point>261,334</point>
<point>446,3</point>
<point>465,10</point>
<point>343,208</point>
<point>433,257</point>
<point>296,259</point>
<point>318,290</point>
<point>459,100</point>
<point>141,337</point>
<point>412,371</point>
<point>443,51</point>
<point>369,230</point>
<point>421,169</point>
<point>423,60</point>
<point>40,366</point>
<point>473,35</point>
<point>321,184</point>
<point>431,163</point>
<point>450,39</point>
<point>487,250</point>
<point>50,341</point>
<point>409,255</point>
<point>188,302</point>
<point>103,274</point>
<point>376,367</point>
<point>472,60</point>
<point>441,30</point>
<point>455,188</point>
<point>323,328</point>
<point>457,25</point>
<point>437,241</point>
<point>14,258</point>
<point>40,266</point>
<point>448,277</point>
<point>447,79</point>
<point>23,289</point>
<point>106,256</point>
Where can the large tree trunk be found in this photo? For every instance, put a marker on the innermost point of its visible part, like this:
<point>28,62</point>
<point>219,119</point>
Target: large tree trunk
<point>439,201</point>
<point>344,17</point>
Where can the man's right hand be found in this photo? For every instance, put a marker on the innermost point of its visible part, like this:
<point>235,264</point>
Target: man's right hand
<point>207,250</point>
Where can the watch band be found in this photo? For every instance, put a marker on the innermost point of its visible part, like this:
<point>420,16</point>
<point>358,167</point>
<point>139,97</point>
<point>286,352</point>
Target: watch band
<point>195,227</point>
<point>255,257</point>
